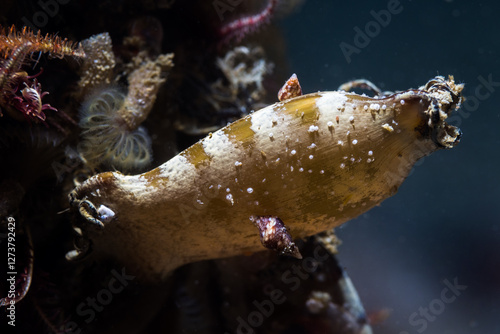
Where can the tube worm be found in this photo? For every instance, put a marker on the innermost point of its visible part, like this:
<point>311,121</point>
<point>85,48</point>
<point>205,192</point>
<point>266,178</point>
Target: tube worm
<point>274,235</point>
<point>98,67</point>
<point>111,120</point>
<point>315,161</point>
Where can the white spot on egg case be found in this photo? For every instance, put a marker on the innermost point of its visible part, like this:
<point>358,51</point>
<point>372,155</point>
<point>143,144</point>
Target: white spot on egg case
<point>105,214</point>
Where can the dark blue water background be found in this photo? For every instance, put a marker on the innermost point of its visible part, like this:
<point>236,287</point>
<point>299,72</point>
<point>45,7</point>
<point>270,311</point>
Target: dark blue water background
<point>444,223</point>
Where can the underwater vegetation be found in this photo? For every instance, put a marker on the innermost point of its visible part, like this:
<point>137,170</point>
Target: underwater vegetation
<point>170,181</point>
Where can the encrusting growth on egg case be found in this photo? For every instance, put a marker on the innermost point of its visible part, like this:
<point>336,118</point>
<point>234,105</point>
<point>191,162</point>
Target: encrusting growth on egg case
<point>314,161</point>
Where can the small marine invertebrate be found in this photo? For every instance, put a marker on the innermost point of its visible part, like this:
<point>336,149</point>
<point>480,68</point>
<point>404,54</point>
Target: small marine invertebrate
<point>273,235</point>
<point>290,89</point>
<point>198,204</point>
<point>30,101</point>
<point>18,90</point>
<point>55,46</point>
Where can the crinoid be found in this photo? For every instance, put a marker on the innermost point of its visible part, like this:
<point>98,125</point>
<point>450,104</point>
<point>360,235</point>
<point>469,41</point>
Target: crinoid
<point>55,46</point>
<point>20,92</point>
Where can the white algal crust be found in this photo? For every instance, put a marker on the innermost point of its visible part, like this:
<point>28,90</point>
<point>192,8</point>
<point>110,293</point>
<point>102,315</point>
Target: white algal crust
<point>330,101</point>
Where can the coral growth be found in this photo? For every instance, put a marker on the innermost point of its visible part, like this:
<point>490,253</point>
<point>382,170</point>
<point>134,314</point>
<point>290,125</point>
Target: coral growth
<point>144,83</point>
<point>110,119</point>
<point>244,68</point>
<point>97,68</point>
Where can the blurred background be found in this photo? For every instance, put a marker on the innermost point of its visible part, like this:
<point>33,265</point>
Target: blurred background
<point>444,221</point>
